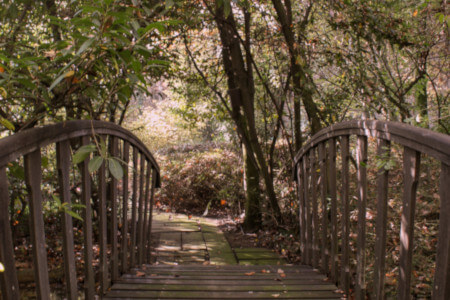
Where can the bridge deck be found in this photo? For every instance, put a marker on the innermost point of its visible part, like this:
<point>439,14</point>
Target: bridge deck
<point>223,282</point>
<point>193,260</point>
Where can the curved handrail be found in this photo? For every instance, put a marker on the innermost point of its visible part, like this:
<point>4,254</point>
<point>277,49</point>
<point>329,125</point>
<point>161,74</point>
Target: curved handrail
<point>135,229</point>
<point>425,141</point>
<point>22,143</point>
<point>319,202</point>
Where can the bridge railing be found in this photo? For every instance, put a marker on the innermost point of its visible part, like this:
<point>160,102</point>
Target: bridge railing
<point>127,201</point>
<point>325,216</point>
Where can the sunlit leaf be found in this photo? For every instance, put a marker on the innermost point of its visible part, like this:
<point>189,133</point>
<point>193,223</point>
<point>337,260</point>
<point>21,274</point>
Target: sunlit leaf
<point>95,163</point>
<point>7,124</point>
<point>115,168</point>
<point>84,46</point>
<point>82,153</point>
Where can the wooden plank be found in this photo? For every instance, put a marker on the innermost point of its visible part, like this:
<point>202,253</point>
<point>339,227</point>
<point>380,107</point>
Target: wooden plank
<point>113,198</point>
<point>63,164</point>
<point>361,160</point>
<point>441,286</point>
<point>127,294</point>
<point>315,216</point>
<point>146,246</point>
<point>333,196</point>
<point>307,210</point>
<point>345,256</point>
<point>33,178</point>
<point>104,265</point>
<point>134,198</point>
<point>140,227</point>
<point>124,245</point>
<point>301,207</point>
<point>226,282</point>
<point>383,152</point>
<point>411,168</point>
<point>152,196</point>
<point>324,252</point>
<point>8,279</point>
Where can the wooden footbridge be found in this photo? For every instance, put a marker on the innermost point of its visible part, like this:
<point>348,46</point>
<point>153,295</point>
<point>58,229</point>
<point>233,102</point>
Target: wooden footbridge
<point>117,228</point>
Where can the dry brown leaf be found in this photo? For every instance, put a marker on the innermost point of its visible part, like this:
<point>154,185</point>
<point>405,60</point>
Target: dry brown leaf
<point>140,274</point>
<point>250,273</point>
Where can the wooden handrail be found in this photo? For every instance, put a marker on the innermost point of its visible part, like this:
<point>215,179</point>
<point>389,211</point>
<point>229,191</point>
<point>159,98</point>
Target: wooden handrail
<point>319,232</point>
<point>28,145</point>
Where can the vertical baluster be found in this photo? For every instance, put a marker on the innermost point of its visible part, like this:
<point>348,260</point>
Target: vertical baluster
<point>323,194</point>
<point>441,288</point>
<point>104,283</point>
<point>8,278</point>
<point>114,198</point>
<point>89,281</point>
<point>149,234</point>
<point>315,217</point>
<point>134,208</point>
<point>146,209</point>
<point>345,267</point>
<point>333,196</point>
<point>362,199</point>
<point>301,208</point>
<point>383,151</point>
<point>63,163</point>
<point>141,211</point>
<point>126,159</point>
<point>307,211</point>
<point>411,167</point>
<point>33,177</point>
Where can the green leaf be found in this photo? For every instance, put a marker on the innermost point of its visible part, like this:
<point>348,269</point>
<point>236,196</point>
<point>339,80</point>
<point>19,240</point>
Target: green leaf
<point>226,8</point>
<point>73,214</point>
<point>56,199</point>
<point>58,80</point>
<point>82,153</point>
<point>7,123</point>
<point>115,168</point>
<point>84,46</point>
<point>95,163</point>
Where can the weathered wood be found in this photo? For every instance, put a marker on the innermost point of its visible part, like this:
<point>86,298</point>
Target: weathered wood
<point>441,287</point>
<point>333,196</point>
<point>146,247</point>
<point>89,280</point>
<point>8,279</point>
<point>361,160</point>
<point>140,228</point>
<point>113,198</point>
<point>63,163</point>
<point>152,195</point>
<point>33,178</point>
<point>134,208</point>
<point>411,168</point>
<point>345,256</point>
<point>103,234</point>
<point>383,152</point>
<point>124,245</point>
<point>301,207</point>
<point>324,217</point>
<point>307,210</point>
<point>315,216</point>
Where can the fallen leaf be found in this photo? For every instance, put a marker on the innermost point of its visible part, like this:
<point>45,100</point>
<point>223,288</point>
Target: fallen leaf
<point>275,295</point>
<point>223,202</point>
<point>140,274</point>
<point>282,275</point>
<point>250,273</point>
<point>280,271</point>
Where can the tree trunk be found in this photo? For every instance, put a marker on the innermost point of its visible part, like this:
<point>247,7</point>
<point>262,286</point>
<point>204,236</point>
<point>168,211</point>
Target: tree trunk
<point>252,220</point>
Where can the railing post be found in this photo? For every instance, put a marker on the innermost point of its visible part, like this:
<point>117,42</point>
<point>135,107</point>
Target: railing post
<point>8,278</point>
<point>315,217</point>
<point>333,196</point>
<point>126,159</point>
<point>89,281</point>
<point>134,208</point>
<point>63,163</point>
<point>323,193</point>
<point>113,198</point>
<point>146,209</point>
<point>154,176</point>
<point>104,280</point>
<point>307,210</point>
<point>33,177</point>
<point>140,233</point>
<point>441,288</point>
<point>362,200</point>
<point>411,168</point>
<point>301,207</point>
<point>345,266</point>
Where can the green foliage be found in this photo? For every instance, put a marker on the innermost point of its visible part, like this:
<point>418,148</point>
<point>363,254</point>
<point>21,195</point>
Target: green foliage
<point>77,59</point>
<point>68,208</point>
